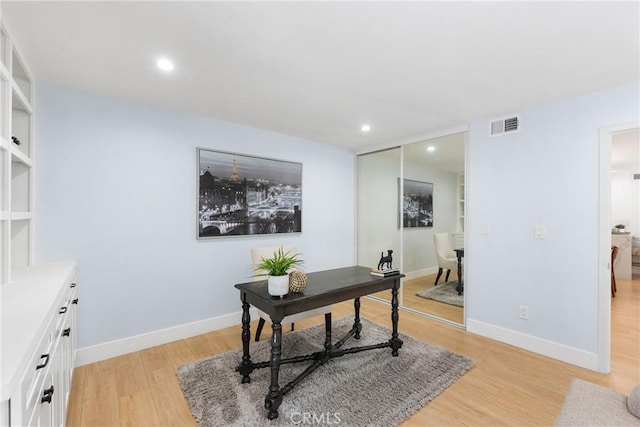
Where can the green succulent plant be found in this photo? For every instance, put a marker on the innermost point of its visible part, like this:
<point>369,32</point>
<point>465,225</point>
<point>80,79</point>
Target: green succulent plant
<point>279,264</point>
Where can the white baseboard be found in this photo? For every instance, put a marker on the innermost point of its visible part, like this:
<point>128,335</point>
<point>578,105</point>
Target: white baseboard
<point>419,273</point>
<point>119,347</point>
<point>551,349</point>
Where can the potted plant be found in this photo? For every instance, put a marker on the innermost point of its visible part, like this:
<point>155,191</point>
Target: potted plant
<point>277,268</point>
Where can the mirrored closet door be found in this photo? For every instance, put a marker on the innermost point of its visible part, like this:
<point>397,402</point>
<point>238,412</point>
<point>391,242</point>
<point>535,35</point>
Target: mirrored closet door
<point>410,199</point>
<point>433,173</point>
<point>377,219</point>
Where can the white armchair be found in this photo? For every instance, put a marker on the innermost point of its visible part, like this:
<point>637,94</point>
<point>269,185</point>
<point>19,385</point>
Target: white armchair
<point>446,257</point>
<point>265,252</point>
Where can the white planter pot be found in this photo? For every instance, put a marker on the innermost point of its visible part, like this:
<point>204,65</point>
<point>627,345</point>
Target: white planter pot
<point>278,285</point>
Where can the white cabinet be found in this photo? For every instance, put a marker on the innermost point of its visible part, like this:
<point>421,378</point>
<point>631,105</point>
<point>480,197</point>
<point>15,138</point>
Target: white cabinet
<point>38,344</point>
<point>16,158</point>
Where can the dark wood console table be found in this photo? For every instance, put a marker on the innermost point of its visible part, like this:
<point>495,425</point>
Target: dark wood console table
<point>323,288</point>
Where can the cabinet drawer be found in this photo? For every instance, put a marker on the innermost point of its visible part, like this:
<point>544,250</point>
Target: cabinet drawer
<point>63,312</point>
<point>36,373</point>
<point>34,344</point>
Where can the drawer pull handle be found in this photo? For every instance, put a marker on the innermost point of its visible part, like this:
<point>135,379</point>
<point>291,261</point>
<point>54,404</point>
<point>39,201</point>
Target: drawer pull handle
<point>73,285</point>
<point>63,310</point>
<point>66,332</point>
<point>48,393</point>
<point>46,361</point>
<point>75,301</point>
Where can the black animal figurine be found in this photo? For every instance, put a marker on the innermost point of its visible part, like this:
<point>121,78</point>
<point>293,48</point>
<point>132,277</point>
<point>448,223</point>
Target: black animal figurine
<point>385,260</point>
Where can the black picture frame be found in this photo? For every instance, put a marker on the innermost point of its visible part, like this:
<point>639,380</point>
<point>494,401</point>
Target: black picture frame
<point>416,205</point>
<point>241,195</point>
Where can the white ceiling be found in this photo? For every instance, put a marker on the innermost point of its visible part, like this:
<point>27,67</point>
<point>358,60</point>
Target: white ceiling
<point>318,70</point>
<point>448,153</point>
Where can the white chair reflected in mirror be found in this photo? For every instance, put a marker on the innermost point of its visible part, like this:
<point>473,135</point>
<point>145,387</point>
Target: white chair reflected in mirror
<point>266,252</point>
<point>446,257</point>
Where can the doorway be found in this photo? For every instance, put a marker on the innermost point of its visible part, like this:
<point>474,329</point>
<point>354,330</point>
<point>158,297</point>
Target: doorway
<point>613,163</point>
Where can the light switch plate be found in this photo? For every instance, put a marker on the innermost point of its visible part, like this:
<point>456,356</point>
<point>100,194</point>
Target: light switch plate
<point>539,232</point>
<point>484,229</point>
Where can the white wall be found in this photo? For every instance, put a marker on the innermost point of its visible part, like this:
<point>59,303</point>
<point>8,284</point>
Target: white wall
<point>116,190</point>
<point>547,174</point>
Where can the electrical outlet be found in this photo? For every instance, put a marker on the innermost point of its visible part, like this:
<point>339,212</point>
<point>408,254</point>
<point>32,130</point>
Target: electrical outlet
<point>523,312</point>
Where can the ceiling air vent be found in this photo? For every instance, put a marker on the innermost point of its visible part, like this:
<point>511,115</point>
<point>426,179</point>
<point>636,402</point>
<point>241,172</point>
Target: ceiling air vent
<point>508,125</point>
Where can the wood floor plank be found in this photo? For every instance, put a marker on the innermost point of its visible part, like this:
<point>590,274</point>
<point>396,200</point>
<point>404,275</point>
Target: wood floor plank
<point>180,353</point>
<point>135,398</point>
<point>507,386</point>
<point>99,402</point>
<point>167,397</point>
<point>423,305</point>
<point>74,409</point>
<point>130,376</point>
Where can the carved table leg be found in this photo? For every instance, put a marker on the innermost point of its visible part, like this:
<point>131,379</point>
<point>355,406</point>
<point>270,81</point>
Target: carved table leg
<point>327,329</point>
<point>246,367</point>
<point>274,398</point>
<point>356,324</point>
<point>459,286</point>
<point>396,342</point>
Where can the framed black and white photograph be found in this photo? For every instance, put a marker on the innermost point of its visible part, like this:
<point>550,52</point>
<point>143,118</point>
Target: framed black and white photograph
<point>241,194</point>
<point>417,203</point>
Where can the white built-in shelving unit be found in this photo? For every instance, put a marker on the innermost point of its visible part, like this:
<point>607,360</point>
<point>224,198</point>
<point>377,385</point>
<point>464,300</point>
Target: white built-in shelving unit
<point>460,203</point>
<point>16,158</point>
<point>37,302</point>
<point>458,236</point>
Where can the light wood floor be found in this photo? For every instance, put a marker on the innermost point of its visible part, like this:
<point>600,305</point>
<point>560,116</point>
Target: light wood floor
<point>507,386</point>
<point>439,309</point>
<point>423,305</point>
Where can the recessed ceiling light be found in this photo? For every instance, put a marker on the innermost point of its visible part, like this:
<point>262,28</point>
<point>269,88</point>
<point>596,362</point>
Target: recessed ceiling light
<point>365,128</point>
<point>165,64</point>
<point>431,148</point>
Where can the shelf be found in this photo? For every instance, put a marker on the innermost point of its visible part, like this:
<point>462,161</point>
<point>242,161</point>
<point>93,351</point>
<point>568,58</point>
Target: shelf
<point>4,48</point>
<point>17,156</point>
<point>20,216</point>
<point>19,100</point>
<point>20,243</point>
<point>3,181</point>
<point>4,251</point>
<point>20,187</point>
<point>4,73</point>
<point>4,120</point>
<point>21,77</point>
<point>20,122</point>
<point>461,203</point>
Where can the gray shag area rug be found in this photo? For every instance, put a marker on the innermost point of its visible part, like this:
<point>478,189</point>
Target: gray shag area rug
<point>370,388</point>
<point>445,293</point>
